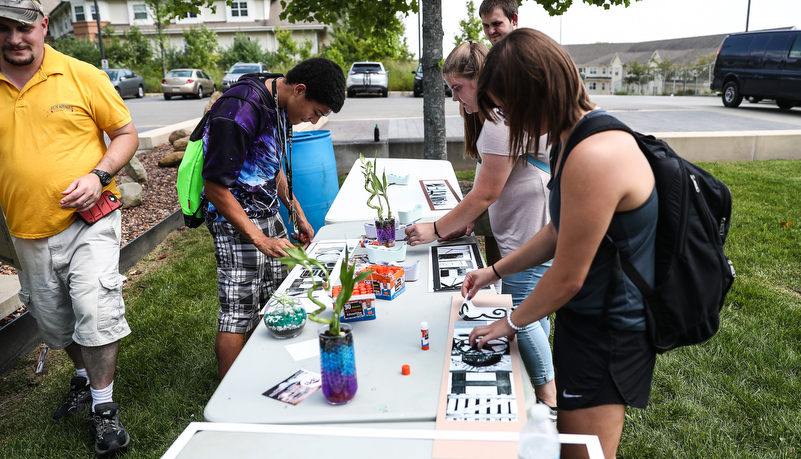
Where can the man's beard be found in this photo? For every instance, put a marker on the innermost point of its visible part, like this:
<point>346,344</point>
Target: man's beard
<point>19,62</point>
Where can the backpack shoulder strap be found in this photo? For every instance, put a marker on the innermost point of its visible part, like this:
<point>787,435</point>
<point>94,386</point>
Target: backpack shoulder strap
<point>198,132</point>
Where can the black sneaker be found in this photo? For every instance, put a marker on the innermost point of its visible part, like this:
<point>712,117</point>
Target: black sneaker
<point>110,435</point>
<point>79,397</point>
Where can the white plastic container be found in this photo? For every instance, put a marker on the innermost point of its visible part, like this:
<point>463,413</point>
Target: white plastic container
<point>538,438</point>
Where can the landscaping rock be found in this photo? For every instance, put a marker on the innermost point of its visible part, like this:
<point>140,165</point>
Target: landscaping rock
<point>214,96</point>
<point>179,134</point>
<point>131,194</point>
<point>180,144</point>
<point>172,160</point>
<point>135,170</point>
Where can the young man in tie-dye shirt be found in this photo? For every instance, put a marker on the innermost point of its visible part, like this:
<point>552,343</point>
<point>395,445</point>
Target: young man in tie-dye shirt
<point>245,141</point>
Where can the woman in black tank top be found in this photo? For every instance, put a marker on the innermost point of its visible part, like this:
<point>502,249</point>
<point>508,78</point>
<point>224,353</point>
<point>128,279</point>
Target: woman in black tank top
<point>537,90</point>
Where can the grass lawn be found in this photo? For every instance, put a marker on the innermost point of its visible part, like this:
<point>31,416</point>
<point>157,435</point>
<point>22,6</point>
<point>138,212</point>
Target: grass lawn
<point>737,396</point>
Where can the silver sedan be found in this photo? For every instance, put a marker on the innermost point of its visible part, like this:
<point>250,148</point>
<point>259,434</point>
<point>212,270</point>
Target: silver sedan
<point>187,82</point>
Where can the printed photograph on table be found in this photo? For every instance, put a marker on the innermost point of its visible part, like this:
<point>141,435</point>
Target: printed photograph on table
<point>439,194</point>
<point>480,384</point>
<point>450,264</point>
<point>300,280</point>
<point>295,388</point>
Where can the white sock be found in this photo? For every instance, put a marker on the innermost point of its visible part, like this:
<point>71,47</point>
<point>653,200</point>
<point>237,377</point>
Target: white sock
<point>82,372</point>
<point>102,395</point>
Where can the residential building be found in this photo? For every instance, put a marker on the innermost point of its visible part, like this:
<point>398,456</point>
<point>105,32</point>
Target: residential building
<point>258,19</point>
<point>606,65</point>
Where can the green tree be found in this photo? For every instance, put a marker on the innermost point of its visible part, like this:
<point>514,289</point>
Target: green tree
<point>470,28</point>
<point>163,12</point>
<point>376,46</point>
<point>200,49</point>
<point>133,51</point>
<point>242,50</point>
<point>79,48</point>
<point>288,52</point>
<point>638,74</point>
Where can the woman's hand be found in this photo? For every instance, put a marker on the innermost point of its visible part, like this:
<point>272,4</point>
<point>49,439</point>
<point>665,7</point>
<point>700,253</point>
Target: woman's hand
<point>480,335</point>
<point>420,233</point>
<point>476,280</point>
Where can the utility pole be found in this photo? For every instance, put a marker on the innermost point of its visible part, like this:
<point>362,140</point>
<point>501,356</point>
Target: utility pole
<point>419,39</point>
<point>100,34</point>
<point>748,15</point>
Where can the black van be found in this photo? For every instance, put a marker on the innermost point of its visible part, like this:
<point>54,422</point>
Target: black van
<point>760,65</point>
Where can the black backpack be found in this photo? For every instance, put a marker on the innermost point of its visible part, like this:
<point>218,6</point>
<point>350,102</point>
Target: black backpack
<point>692,275</point>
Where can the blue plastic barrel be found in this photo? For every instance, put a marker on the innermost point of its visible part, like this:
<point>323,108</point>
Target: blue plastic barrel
<point>314,176</point>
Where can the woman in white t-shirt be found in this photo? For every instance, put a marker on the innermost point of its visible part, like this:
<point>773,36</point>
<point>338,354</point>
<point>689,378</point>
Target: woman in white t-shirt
<point>515,193</point>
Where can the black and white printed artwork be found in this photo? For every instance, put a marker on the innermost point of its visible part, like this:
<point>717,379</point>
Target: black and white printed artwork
<point>440,194</point>
<point>451,263</point>
<point>480,384</point>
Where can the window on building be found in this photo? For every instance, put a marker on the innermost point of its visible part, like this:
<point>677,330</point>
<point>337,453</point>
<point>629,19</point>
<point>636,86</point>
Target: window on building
<point>190,15</point>
<point>603,86</point>
<point>603,71</point>
<point>140,11</point>
<point>592,85</point>
<point>593,71</point>
<point>94,13</point>
<point>617,72</point>
<point>80,16</point>
<point>239,9</point>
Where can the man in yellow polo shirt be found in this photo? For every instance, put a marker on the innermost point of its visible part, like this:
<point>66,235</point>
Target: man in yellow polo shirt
<point>53,163</point>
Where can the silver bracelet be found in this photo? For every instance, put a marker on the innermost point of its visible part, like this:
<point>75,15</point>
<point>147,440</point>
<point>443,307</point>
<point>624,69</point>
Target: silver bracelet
<point>509,321</point>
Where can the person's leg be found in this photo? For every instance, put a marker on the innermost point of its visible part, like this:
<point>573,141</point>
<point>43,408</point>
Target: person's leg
<point>605,421</point>
<point>535,348</point>
<point>227,347</point>
<point>101,364</point>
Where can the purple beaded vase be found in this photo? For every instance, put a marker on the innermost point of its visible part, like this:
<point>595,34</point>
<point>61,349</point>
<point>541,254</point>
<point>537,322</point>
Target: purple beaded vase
<point>385,232</point>
<point>337,365</point>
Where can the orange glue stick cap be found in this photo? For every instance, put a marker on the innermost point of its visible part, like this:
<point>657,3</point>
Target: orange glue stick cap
<point>405,370</point>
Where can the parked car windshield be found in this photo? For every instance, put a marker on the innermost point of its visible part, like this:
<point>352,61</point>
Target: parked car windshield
<point>112,74</point>
<point>366,68</point>
<point>180,73</point>
<point>244,69</point>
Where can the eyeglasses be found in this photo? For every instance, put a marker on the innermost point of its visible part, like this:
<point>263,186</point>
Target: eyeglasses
<point>500,113</point>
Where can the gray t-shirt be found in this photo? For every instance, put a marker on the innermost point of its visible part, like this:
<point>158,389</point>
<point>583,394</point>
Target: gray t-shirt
<point>522,208</point>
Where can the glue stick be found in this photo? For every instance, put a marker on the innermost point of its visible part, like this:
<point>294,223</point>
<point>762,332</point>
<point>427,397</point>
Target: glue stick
<point>424,333</point>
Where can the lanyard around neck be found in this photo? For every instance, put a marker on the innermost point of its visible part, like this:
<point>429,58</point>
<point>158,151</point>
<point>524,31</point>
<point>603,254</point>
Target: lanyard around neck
<point>285,139</point>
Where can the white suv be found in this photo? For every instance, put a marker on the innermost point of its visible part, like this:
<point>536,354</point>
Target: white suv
<point>239,69</point>
<point>368,77</point>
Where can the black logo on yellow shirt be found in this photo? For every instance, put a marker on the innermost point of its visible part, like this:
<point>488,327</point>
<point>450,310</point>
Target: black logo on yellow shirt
<point>60,108</point>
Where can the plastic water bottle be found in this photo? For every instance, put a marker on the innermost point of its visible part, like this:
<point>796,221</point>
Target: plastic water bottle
<point>538,438</point>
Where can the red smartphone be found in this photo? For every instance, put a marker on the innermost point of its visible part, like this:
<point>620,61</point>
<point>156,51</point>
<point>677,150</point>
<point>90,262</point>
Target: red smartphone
<point>107,204</point>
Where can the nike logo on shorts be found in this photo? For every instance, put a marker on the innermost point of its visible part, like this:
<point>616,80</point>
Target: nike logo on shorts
<point>566,395</point>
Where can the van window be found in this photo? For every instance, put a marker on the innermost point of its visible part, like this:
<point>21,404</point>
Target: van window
<point>777,51</point>
<point>757,51</point>
<point>795,51</point>
<point>734,51</point>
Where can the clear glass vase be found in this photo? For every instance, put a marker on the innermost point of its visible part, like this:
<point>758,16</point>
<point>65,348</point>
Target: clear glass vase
<point>285,321</point>
<point>385,232</point>
<point>337,365</point>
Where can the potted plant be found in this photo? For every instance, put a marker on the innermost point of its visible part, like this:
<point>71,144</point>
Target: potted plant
<point>286,318</point>
<point>377,187</point>
<point>337,362</point>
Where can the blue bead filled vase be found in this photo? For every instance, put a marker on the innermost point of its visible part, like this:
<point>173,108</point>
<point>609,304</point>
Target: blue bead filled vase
<point>337,365</point>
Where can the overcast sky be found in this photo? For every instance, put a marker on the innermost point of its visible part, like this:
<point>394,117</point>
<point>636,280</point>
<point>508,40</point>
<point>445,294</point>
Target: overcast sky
<point>645,20</point>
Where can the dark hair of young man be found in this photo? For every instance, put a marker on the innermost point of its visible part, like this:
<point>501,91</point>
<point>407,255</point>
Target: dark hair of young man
<point>536,83</point>
<point>324,80</point>
<point>509,7</point>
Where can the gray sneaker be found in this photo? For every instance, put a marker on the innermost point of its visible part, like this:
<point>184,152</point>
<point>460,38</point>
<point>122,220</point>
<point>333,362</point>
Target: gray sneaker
<point>552,411</point>
<point>109,433</point>
<point>79,397</point>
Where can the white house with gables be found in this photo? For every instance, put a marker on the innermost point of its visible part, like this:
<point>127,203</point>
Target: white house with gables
<point>258,19</point>
<point>606,65</point>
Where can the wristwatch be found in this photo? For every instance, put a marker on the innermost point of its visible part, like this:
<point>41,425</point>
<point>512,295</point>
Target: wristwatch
<point>105,177</point>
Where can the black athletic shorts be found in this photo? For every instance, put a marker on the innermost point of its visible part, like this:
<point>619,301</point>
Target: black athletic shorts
<point>596,367</point>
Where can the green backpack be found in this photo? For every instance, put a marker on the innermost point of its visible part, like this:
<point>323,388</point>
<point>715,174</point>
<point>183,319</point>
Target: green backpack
<point>190,173</point>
